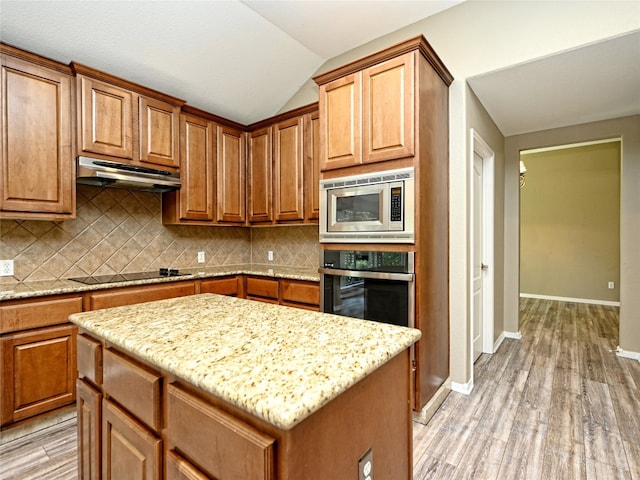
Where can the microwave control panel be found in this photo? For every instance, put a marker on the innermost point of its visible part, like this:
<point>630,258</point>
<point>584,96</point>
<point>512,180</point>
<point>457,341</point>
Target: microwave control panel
<point>396,204</point>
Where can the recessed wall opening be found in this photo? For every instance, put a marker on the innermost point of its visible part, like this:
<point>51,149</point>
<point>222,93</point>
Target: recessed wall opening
<point>570,223</point>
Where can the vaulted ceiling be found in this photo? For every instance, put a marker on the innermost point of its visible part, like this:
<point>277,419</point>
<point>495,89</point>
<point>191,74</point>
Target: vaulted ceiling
<point>242,60</point>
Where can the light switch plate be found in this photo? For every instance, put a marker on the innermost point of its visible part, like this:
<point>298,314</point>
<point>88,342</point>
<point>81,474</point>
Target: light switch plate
<point>200,257</point>
<point>270,255</point>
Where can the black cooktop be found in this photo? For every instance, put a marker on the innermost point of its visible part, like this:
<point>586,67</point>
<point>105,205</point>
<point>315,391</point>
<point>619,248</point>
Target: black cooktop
<point>128,277</point>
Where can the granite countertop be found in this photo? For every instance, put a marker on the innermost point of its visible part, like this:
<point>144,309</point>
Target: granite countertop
<point>19,290</point>
<point>278,363</point>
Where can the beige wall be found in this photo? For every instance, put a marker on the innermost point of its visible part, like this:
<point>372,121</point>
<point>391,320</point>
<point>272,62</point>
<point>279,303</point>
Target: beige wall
<point>570,222</point>
<point>473,38</point>
<point>627,129</point>
<point>119,230</point>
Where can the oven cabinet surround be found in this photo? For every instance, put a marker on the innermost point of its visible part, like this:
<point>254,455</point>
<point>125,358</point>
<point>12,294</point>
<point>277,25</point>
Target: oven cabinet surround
<point>386,111</point>
<point>283,168</point>
<point>274,393</point>
<point>37,174</point>
<point>38,354</point>
<point>125,122</point>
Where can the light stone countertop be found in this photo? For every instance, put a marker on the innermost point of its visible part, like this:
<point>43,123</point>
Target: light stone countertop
<point>23,290</point>
<point>278,363</point>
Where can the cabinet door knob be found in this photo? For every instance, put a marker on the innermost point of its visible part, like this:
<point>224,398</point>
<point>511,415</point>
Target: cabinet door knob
<point>484,266</point>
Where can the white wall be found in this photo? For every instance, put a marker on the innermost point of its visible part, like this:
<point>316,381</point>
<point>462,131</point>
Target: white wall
<point>477,37</point>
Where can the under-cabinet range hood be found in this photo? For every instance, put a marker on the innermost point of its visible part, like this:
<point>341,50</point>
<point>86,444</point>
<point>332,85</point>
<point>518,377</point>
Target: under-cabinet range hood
<point>102,173</point>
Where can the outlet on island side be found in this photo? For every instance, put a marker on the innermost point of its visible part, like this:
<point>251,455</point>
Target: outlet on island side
<point>365,466</point>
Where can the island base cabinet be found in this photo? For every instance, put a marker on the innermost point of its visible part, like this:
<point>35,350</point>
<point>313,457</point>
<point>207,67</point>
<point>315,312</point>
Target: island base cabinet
<point>180,469</point>
<point>224,446</point>
<point>89,406</point>
<point>129,450</point>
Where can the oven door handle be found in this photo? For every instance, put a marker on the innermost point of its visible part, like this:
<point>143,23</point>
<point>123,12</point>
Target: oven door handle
<point>404,277</point>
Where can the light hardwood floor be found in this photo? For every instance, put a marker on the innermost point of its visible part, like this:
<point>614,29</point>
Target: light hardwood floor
<point>558,404</point>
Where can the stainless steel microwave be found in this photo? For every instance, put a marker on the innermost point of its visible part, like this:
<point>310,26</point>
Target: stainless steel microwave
<point>369,208</point>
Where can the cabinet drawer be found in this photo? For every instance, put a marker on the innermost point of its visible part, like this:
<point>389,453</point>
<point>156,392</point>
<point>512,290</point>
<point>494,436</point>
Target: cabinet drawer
<point>38,313</point>
<point>180,469</point>
<point>220,444</point>
<point>134,387</point>
<point>90,359</point>
<point>300,292</point>
<point>129,296</point>
<point>262,287</point>
<point>221,286</point>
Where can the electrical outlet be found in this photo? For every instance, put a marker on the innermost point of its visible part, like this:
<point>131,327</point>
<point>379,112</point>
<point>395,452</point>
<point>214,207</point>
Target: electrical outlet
<point>200,257</point>
<point>365,466</point>
<point>6,268</point>
<point>612,285</point>
<point>270,255</point>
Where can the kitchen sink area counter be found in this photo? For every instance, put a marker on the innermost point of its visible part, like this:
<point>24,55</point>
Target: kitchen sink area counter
<point>299,382</point>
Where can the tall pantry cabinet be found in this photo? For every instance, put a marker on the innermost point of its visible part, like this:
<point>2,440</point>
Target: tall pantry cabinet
<point>386,111</point>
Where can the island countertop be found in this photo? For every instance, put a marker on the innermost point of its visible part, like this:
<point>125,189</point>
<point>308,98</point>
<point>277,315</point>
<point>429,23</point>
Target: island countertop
<point>278,363</point>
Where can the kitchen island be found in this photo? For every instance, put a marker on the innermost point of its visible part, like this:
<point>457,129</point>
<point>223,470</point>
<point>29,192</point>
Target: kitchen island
<point>229,388</point>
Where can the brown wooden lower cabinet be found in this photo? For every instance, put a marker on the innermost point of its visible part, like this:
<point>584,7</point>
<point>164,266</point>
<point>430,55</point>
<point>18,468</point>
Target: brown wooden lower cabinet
<point>231,286</point>
<point>38,371</point>
<point>203,437</point>
<point>116,297</point>
<point>129,450</point>
<point>89,418</point>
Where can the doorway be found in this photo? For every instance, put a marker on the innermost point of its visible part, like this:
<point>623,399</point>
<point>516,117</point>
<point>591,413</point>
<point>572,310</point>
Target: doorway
<point>482,251</point>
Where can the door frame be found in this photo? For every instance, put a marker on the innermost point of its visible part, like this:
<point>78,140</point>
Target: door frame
<point>479,146</point>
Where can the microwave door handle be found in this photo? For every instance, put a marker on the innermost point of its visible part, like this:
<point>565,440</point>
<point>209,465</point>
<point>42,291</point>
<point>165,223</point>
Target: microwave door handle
<point>404,277</point>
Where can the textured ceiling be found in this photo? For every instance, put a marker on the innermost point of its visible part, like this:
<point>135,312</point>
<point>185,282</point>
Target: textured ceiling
<point>240,60</point>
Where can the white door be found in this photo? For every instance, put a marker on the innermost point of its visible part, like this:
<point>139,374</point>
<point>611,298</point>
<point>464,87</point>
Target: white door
<point>478,272</point>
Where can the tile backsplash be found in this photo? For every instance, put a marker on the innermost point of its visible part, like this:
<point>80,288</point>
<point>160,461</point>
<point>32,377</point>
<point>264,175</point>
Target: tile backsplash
<point>118,230</point>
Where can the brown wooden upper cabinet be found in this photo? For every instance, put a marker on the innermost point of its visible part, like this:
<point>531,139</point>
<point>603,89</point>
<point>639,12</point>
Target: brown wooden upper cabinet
<point>312,167</point>
<point>37,175</point>
<point>283,169</point>
<point>368,116</point>
<point>288,168</point>
<point>260,171</point>
<point>125,122</point>
<point>195,201</point>
<point>231,175</point>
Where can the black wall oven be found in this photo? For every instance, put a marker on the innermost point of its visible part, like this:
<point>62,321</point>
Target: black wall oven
<point>372,285</point>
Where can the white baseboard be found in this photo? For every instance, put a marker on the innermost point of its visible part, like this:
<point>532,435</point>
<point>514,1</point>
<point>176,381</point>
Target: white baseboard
<point>429,410</point>
<point>514,335</point>
<point>498,342</point>
<point>465,388</point>
<point>628,354</point>
<point>570,299</point>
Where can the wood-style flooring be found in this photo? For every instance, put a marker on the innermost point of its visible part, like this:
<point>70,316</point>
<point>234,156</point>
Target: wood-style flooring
<point>558,404</point>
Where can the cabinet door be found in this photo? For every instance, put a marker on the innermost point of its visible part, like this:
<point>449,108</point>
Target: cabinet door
<point>89,409</point>
<point>231,175</point>
<point>388,109</point>
<point>37,172</point>
<point>106,119</point>
<point>159,132</point>
<point>289,167</point>
<point>197,147</point>
<point>312,167</point>
<point>341,122</point>
<point>38,371</point>
<point>260,176</point>
<point>128,449</point>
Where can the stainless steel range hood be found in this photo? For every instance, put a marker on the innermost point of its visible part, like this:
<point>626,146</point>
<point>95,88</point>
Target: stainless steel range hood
<point>102,173</point>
